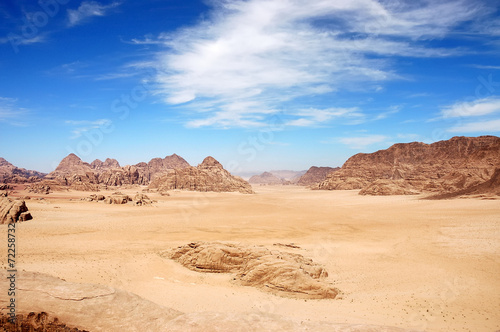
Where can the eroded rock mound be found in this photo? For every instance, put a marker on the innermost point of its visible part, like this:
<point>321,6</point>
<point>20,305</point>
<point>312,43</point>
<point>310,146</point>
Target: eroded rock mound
<point>207,176</point>
<point>441,167</point>
<point>315,175</point>
<point>117,198</point>
<point>12,211</point>
<point>282,273</point>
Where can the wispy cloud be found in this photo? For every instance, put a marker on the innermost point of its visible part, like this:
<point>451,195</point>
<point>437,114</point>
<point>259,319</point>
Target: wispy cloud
<point>274,51</point>
<point>358,142</point>
<point>488,126</point>
<point>392,110</point>
<point>18,40</point>
<point>88,9</point>
<point>486,67</point>
<point>83,126</point>
<point>313,117</point>
<point>476,107</point>
<point>362,142</point>
<point>12,114</point>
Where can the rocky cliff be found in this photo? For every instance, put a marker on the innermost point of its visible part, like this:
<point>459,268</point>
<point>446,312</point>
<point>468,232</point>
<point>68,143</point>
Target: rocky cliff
<point>315,175</point>
<point>409,168</point>
<point>12,174</point>
<point>207,176</point>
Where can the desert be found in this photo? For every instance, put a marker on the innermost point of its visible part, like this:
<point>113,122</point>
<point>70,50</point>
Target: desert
<point>398,260</point>
<point>250,165</point>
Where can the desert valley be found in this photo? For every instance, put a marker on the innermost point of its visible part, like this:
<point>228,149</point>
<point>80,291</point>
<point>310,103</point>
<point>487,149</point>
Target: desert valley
<point>403,239</point>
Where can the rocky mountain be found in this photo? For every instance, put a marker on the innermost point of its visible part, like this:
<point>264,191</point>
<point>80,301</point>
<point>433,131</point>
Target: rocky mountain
<point>287,175</point>
<point>106,165</point>
<point>315,175</point>
<point>80,175</point>
<point>207,176</point>
<point>279,177</point>
<point>409,168</point>
<point>490,187</point>
<point>266,178</point>
<point>12,174</point>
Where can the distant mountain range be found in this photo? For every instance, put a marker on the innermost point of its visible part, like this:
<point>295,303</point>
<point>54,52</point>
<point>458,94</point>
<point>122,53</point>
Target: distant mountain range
<point>460,165</point>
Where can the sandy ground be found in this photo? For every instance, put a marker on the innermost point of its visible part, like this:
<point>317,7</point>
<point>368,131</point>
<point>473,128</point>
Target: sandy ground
<point>399,261</point>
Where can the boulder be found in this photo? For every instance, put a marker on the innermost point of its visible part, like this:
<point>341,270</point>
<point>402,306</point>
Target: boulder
<point>282,273</point>
<point>12,211</point>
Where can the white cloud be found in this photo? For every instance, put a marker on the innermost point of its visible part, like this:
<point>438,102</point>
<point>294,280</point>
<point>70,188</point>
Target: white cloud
<point>273,51</point>
<point>490,126</point>
<point>88,9</point>
<point>362,141</point>
<point>392,110</point>
<point>83,126</point>
<point>312,117</point>
<point>12,114</point>
<point>477,107</point>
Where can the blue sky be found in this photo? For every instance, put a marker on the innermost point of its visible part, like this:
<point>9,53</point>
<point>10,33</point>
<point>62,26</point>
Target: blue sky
<point>259,85</point>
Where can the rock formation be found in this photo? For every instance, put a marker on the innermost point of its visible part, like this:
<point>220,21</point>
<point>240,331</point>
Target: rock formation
<point>282,273</point>
<point>266,178</point>
<point>315,175</point>
<point>488,188</point>
<point>36,322</point>
<point>119,198</point>
<point>441,167</point>
<point>207,176</point>
<point>12,211</point>
<point>12,174</point>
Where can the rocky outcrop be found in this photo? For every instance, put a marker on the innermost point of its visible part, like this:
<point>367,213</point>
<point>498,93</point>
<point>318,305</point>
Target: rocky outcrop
<point>36,322</point>
<point>441,167</point>
<point>266,178</point>
<point>76,174</point>
<point>282,273</point>
<point>486,189</point>
<point>107,164</point>
<point>12,211</point>
<point>12,174</point>
<point>119,198</point>
<point>389,187</point>
<point>207,176</point>
<point>158,166</point>
<point>315,175</point>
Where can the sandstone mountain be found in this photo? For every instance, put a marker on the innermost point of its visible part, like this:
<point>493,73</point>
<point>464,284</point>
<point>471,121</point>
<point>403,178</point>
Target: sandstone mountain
<point>80,175</point>
<point>288,175</point>
<point>315,175</point>
<point>266,178</point>
<point>487,188</point>
<point>12,174</point>
<point>409,168</point>
<point>107,164</point>
<point>207,176</point>
<point>278,177</point>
